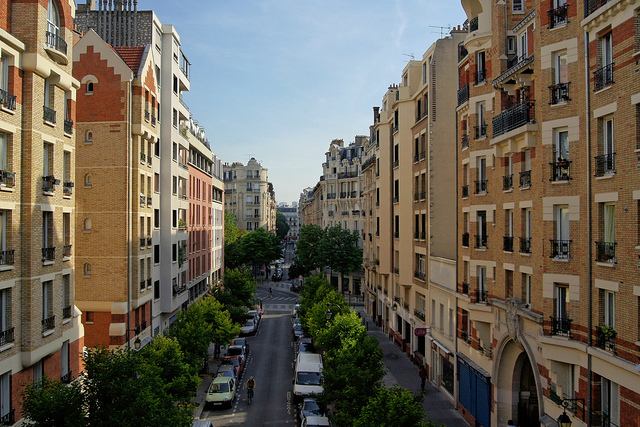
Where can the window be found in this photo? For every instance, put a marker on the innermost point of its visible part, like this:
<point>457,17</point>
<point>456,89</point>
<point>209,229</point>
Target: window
<point>47,299</point>
<point>508,222</point>
<point>561,145</point>
<point>480,67</point>
<point>609,302</point>
<point>526,289</point>
<point>517,6</point>
<point>560,71</point>
<point>5,221</point>
<point>156,289</point>
<point>606,50</point>
<point>605,162</point>
<point>89,89</point>
<point>5,313</point>
<point>53,19</point>
<point>424,73</point>
<point>64,359</point>
<point>156,218</point>
<point>66,292</point>
<point>89,316</point>
<point>511,45</point>
<point>87,181</point>
<point>48,94</point>
<point>563,386</point>
<point>47,159</point>
<point>4,75</point>
<point>5,395</point>
<point>4,152</point>
<point>87,224</point>
<point>47,230</point>
<point>156,254</point>
<point>481,127</point>
<point>560,304</point>
<point>174,219</point>
<point>561,246</point>
<point>609,402</point>
<point>523,45</point>
<point>508,283</point>
<point>156,183</point>
<point>175,84</point>
<point>174,252</point>
<point>86,268</point>
<point>609,223</point>
<point>38,372</point>
<point>482,280</point>
<point>175,118</point>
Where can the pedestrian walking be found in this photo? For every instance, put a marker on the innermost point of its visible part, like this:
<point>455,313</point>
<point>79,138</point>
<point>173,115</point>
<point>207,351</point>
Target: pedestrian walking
<point>423,378</point>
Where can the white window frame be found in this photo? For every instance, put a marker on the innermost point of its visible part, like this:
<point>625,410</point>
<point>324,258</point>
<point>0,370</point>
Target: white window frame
<point>517,6</point>
<point>53,18</point>
<point>560,68</point>
<point>561,144</point>
<point>560,293</point>
<point>609,301</point>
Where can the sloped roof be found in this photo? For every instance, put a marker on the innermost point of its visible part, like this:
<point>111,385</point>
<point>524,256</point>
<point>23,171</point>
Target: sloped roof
<point>132,56</point>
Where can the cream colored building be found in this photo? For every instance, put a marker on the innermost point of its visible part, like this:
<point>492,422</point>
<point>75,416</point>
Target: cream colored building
<point>249,195</point>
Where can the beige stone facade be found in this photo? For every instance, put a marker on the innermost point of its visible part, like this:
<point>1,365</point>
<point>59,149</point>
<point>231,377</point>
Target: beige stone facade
<point>250,196</point>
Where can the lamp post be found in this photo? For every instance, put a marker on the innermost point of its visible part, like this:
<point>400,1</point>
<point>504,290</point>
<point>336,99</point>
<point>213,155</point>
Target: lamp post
<point>564,420</point>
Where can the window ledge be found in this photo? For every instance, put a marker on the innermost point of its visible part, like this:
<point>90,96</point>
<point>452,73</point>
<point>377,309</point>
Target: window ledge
<point>47,333</point>
<point>50,124</point>
<point>525,253</point>
<point>66,258</point>
<point>481,249</point>
<point>7,347</point>
<point>68,135</point>
<point>6,267</point>
<point>636,54</point>
<point>564,182</point>
<point>604,89</point>
<point>65,321</point>
<point>525,188</point>
<point>48,262</point>
<point>606,176</point>
<point>559,104</point>
<point>7,189</point>
<point>8,111</point>
<point>508,191</point>
<point>66,197</point>
<point>48,193</point>
<point>606,264</point>
<point>507,252</point>
<point>558,26</point>
<point>560,259</point>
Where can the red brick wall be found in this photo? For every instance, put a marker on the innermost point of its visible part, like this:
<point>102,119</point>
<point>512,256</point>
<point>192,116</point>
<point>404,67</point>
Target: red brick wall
<point>5,15</point>
<point>97,333</point>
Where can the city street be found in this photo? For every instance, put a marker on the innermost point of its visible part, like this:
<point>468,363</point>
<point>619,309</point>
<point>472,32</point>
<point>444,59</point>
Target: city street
<point>270,362</point>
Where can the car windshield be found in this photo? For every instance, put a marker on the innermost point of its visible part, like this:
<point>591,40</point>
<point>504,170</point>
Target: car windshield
<point>249,323</point>
<point>219,388</point>
<point>308,378</point>
<point>234,351</point>
<point>239,341</point>
<point>311,408</point>
<point>305,347</point>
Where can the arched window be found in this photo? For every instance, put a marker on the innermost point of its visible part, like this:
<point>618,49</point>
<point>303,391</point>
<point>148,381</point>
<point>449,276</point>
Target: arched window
<point>88,137</point>
<point>53,18</point>
<point>87,180</point>
<point>86,269</point>
<point>87,224</point>
<point>89,87</point>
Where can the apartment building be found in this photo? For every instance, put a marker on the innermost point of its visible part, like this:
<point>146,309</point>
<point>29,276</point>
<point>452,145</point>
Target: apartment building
<point>118,201</point>
<point>409,192</point>
<point>217,249</point>
<point>290,213</point>
<point>310,208</point>
<point>249,195</point>
<point>40,328</point>
<point>548,296</point>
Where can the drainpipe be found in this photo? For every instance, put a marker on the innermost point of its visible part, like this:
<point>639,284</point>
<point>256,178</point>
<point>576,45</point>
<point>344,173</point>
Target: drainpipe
<point>590,228</point>
<point>129,214</point>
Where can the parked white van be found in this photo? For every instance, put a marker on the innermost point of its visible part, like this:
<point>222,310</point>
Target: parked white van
<point>307,379</point>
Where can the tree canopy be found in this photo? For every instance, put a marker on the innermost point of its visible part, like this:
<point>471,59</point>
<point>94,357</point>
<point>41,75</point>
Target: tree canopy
<point>390,407</point>
<point>51,403</point>
<point>282,226</point>
<point>308,256</point>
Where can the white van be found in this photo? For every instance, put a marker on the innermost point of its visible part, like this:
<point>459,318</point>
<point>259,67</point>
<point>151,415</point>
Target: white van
<point>307,380</point>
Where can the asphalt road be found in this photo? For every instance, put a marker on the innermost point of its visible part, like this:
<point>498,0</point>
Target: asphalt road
<point>270,362</point>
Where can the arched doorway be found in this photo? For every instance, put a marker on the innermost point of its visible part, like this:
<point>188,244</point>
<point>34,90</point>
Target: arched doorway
<point>525,383</point>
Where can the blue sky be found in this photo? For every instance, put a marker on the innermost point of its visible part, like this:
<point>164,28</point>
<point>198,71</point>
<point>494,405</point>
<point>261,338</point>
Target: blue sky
<point>279,79</point>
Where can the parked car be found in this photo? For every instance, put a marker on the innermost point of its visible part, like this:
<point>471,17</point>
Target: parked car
<point>304,346</point>
<point>298,332</point>
<point>315,422</point>
<point>202,423</point>
<point>309,408</point>
<point>233,364</point>
<point>222,391</point>
<point>254,314</point>
<point>295,287</point>
<point>249,328</point>
<point>236,351</point>
<point>277,275</point>
<point>241,341</point>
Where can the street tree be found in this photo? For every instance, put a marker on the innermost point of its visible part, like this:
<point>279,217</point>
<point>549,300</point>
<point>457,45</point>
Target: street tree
<point>193,334</point>
<point>308,255</point>
<point>224,329</point>
<point>320,314</point>
<point>390,407</point>
<point>231,231</point>
<point>339,250</point>
<point>282,226</point>
<point>260,248</point>
<point>51,403</point>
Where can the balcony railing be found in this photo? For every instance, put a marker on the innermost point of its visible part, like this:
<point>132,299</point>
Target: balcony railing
<point>150,199</point>
<point>49,183</point>
<point>66,378</point>
<point>525,245</point>
<point>147,115</point>
<point>49,114</point>
<point>7,257</point>
<point>592,5</point>
<point>331,196</point>
<point>561,326</point>
<point>481,241</point>
<point>66,251</point>
<point>142,284</point>
<point>481,76</point>
<point>465,141</point>
<point>603,77</point>
<point>559,93</point>
<point>605,164</point>
<point>558,16</point>
<point>143,200</point>
<point>7,100</point>
<point>419,314</point>
<point>49,254</point>
<point>560,170</point>
<point>463,288</point>
<point>66,312</point>
<point>148,282</point>
<point>481,130</point>
<point>507,243</point>
<point>153,120</point>
<point>8,419</point>
<point>149,241</point>
<point>507,182</point>
<point>68,126</point>
<point>481,186</point>
<point>525,179</point>
<point>560,249</point>
<point>473,24</point>
<point>67,188</point>
<point>56,42</point>
<point>480,295</point>
<point>8,179</point>
<point>465,191</point>
<point>465,240</point>
<point>606,252</point>
<point>7,336</point>
<point>513,117</point>
<point>419,275</point>
<point>48,324</point>
<point>463,94</point>
<point>143,242</point>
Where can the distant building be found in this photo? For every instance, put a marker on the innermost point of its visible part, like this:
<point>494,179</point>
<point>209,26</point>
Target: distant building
<point>290,213</point>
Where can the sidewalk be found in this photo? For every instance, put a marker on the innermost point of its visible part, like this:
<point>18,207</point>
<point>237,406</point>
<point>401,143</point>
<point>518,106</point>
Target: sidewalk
<point>205,381</point>
<point>400,371</point>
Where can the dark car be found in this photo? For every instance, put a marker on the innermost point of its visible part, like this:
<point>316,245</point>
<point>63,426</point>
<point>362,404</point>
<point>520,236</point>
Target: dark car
<point>295,287</point>
<point>298,332</point>
<point>277,275</point>
<point>310,408</point>
<point>305,346</point>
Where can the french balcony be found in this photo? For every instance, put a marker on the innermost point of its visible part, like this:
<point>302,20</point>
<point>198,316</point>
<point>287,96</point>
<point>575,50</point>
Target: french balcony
<point>153,120</point>
<point>178,289</point>
<point>480,296</point>
<point>149,241</point>
<point>49,183</point>
<point>558,16</point>
<point>331,196</point>
<point>150,200</point>
<point>481,76</point>
<point>592,5</point>
<point>481,186</point>
<point>66,312</point>
<point>560,170</point>
<point>68,126</point>
<point>464,141</point>
<point>66,378</point>
<point>481,241</point>
<point>422,195</point>
<point>507,182</point>
<point>7,101</point>
<point>7,336</point>
<point>559,93</point>
<point>148,283</point>
<point>7,179</point>
<point>143,282</point>
<point>464,335</point>
<point>419,275</point>
<point>605,164</point>
<point>354,194</point>
<point>143,158</point>
<point>49,114</point>
<point>525,179</point>
<point>419,314</point>
<point>462,52</point>
<point>463,288</point>
<point>465,240</point>
<point>560,249</point>
<point>606,252</point>
<point>7,257</point>
<point>48,324</point>
<point>67,188</point>
<point>603,77</point>
<point>507,243</point>
<point>606,338</point>
<point>343,195</point>
<point>473,25</point>
<point>66,251</point>
<point>49,254</point>
<point>147,115</point>
<point>480,130</point>
<point>54,41</point>
<point>143,200</point>
<point>463,94</point>
<point>513,117</point>
<point>561,326</point>
<point>525,245</point>
<point>465,191</point>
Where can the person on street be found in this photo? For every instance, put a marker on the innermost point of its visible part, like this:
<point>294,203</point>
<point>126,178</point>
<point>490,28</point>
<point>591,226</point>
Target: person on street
<point>251,385</point>
<point>423,378</point>
<point>270,292</point>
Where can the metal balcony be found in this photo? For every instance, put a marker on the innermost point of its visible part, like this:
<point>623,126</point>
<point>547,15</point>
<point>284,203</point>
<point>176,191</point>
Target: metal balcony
<point>606,338</point>
<point>525,245</point>
<point>7,257</point>
<point>8,179</point>
<point>49,114</point>
<point>463,94</point>
<point>7,336</point>
<point>419,275</point>
<point>48,324</point>
<point>56,42</point>
<point>68,126</point>
<point>419,314</point>
<point>507,243</point>
<point>603,77</point>
<point>513,117</point>
<point>590,6</point>
<point>558,16</point>
<point>559,93</point>
<point>560,170</point>
<point>605,164</point>
<point>147,115</point>
<point>67,188</point>
<point>473,24</point>
<point>481,241</point>
<point>525,179</point>
<point>561,326</point>
<point>66,251</point>
<point>481,186</point>
<point>560,249</point>
<point>606,252</point>
<point>7,100</point>
<point>507,182</point>
<point>49,254</point>
<point>66,312</point>
<point>480,296</point>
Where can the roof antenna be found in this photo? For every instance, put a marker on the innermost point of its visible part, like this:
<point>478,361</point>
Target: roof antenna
<point>442,30</point>
<point>409,55</point>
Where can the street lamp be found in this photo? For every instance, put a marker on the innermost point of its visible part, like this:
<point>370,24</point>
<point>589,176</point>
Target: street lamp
<point>563,419</point>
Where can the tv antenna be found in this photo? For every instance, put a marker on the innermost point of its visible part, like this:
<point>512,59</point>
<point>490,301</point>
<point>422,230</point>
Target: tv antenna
<point>442,30</point>
<point>409,55</point>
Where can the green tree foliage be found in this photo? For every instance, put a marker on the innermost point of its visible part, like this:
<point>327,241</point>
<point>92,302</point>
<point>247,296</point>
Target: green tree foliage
<point>260,247</point>
<point>239,288</point>
<point>320,315</point>
<point>282,226</point>
<point>224,328</point>
<point>233,254</point>
<point>52,403</point>
<point>391,407</point>
<point>339,249</point>
<point>308,255</point>
<point>231,231</point>
<point>193,334</point>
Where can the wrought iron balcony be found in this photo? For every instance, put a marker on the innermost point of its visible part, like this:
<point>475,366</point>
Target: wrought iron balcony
<point>66,378</point>
<point>143,158</point>
<point>143,242</point>
<point>149,241</point>
<point>480,130</point>
<point>153,120</point>
<point>473,24</point>
<point>605,164</point>
<point>343,195</point>
<point>48,324</point>
<point>67,188</point>
<point>481,241</point>
<point>513,117</point>
<point>463,94</point>
<point>525,179</point>
<point>150,199</point>
<point>7,100</point>
<point>66,251</point>
<point>147,115</point>
<point>464,141</point>
<point>148,282</point>
<point>559,93</point>
<point>463,288</point>
<point>558,16</point>
<point>49,114</point>
<point>561,326</point>
<point>606,252</point>
<point>8,179</point>
<point>68,126</point>
<point>525,245</point>
<point>465,240</point>
<point>331,196</point>
<point>507,243</point>
<point>465,191</point>
<point>481,76</point>
<point>419,275</point>
<point>66,312</point>
<point>507,182</point>
<point>464,335</point>
<point>481,186</point>
<point>592,5</point>
<point>560,249</point>
<point>480,295</point>
<point>7,257</point>
<point>49,183</point>
<point>143,200</point>
<point>560,170</point>
<point>353,194</point>
<point>7,336</point>
<point>419,314</point>
<point>49,254</point>
<point>603,77</point>
<point>56,42</point>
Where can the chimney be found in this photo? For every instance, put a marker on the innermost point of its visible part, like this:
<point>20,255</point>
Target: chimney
<point>376,114</point>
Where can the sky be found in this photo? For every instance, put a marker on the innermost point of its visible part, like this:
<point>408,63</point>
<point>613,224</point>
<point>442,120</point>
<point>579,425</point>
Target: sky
<point>279,79</point>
